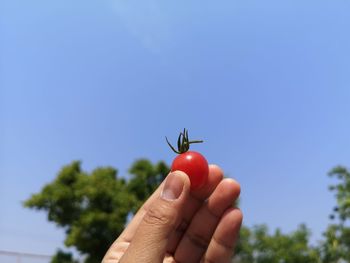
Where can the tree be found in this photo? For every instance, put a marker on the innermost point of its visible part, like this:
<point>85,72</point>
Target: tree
<point>336,247</point>
<point>93,208</point>
<point>256,245</point>
<point>63,257</point>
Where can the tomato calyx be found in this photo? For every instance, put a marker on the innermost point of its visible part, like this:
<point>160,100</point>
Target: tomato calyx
<point>191,163</point>
<point>183,143</point>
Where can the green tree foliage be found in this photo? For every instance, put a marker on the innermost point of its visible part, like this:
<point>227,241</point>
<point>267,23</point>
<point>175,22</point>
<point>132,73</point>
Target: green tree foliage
<point>336,247</point>
<point>342,193</point>
<point>256,245</point>
<point>146,177</point>
<point>93,208</point>
<point>63,257</point>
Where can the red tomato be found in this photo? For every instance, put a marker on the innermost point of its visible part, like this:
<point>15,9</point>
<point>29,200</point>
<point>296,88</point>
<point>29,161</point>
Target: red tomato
<point>194,165</point>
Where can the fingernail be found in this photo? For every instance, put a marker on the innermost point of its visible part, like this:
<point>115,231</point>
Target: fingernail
<point>173,187</point>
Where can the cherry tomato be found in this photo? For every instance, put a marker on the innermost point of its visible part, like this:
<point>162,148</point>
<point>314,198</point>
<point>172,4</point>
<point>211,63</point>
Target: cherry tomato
<point>194,165</point>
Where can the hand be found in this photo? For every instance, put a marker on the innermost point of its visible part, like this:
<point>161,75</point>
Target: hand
<point>179,225</point>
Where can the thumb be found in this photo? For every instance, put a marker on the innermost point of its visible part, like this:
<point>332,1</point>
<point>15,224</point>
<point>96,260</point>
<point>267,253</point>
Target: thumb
<point>162,218</point>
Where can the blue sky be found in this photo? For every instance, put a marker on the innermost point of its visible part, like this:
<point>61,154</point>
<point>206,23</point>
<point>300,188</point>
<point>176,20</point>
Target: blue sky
<point>266,84</point>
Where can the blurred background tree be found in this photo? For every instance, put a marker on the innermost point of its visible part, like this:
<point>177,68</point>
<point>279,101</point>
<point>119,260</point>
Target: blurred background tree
<point>336,247</point>
<point>94,208</point>
<point>63,257</point>
<point>258,246</point>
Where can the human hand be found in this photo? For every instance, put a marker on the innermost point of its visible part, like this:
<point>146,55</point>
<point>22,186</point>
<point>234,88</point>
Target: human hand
<point>179,225</point>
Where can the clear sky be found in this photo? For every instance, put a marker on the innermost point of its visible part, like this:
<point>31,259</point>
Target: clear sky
<point>266,84</point>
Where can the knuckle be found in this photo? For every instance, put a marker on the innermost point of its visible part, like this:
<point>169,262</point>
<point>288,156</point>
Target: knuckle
<point>223,244</point>
<point>182,227</point>
<point>198,240</point>
<point>159,215</point>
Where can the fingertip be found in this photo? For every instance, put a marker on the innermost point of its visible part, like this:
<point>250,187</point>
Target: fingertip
<point>233,185</point>
<point>184,177</point>
<point>216,171</point>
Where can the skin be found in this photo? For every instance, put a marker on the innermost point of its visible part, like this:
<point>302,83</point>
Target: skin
<point>199,226</point>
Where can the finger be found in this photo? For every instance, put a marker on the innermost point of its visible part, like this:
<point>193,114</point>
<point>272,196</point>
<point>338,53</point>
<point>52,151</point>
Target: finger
<point>194,202</point>
<point>198,235</point>
<point>115,252</point>
<point>197,196</point>
<point>129,231</point>
<point>120,245</point>
<point>221,246</point>
<point>151,237</point>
